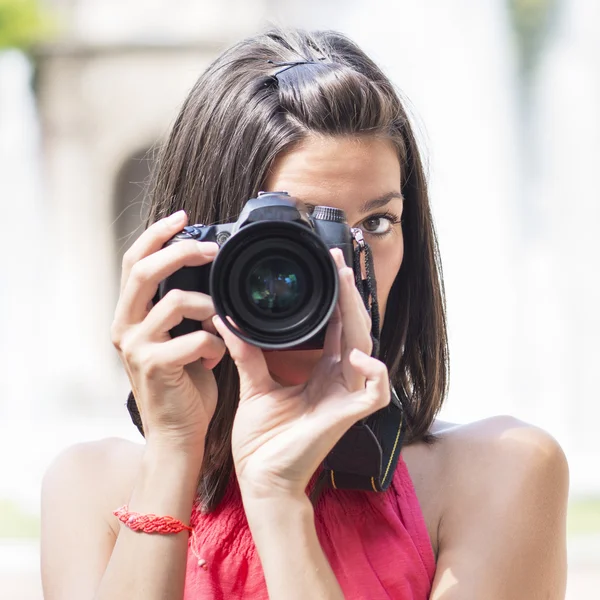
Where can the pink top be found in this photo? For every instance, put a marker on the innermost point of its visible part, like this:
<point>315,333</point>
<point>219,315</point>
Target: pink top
<point>377,545</point>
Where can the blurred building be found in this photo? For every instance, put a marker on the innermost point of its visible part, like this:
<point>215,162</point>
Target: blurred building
<point>512,181</point>
<point>107,92</point>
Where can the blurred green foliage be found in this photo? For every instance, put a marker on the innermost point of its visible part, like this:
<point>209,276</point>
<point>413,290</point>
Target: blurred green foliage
<point>531,21</point>
<point>24,23</point>
<point>15,523</point>
<point>584,516</point>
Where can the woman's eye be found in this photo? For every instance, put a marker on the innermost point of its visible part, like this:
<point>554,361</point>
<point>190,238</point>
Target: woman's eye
<point>378,224</point>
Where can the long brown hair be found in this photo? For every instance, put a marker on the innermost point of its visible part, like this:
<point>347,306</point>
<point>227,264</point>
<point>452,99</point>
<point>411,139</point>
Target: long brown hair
<point>236,120</point>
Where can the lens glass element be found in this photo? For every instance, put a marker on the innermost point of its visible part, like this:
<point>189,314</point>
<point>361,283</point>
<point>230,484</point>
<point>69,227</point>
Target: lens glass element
<point>276,286</point>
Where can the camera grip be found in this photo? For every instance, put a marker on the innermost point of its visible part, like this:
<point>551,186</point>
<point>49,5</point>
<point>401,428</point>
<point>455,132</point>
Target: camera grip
<point>189,279</point>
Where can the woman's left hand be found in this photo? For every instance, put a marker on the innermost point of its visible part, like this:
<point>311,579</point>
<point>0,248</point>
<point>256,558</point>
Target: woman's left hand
<point>282,434</point>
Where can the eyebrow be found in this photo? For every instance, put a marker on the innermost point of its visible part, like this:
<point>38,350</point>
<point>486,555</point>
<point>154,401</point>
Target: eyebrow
<point>380,201</point>
<point>370,205</point>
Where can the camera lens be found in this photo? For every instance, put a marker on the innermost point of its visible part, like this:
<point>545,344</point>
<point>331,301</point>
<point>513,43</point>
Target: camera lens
<point>275,286</point>
<point>277,282</point>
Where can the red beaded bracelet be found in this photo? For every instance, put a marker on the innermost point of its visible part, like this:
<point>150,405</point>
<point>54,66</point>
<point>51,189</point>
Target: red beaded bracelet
<point>150,523</point>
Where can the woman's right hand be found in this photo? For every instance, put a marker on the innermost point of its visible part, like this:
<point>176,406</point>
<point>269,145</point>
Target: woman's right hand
<point>172,381</point>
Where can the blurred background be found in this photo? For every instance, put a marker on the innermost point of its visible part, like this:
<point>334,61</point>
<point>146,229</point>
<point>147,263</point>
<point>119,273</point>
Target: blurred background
<point>505,96</point>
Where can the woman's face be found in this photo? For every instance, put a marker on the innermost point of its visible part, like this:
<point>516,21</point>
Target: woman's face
<point>362,177</point>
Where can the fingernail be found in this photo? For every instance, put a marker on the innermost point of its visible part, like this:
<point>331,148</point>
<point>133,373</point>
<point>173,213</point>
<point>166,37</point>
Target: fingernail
<point>177,217</point>
<point>356,354</point>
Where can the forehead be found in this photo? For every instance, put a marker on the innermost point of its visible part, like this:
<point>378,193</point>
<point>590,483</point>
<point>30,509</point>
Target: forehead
<point>341,171</point>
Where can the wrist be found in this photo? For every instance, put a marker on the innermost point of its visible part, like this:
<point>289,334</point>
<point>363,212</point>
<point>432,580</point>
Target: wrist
<point>276,515</point>
<point>166,462</point>
<point>268,488</point>
<point>288,546</point>
<point>167,482</point>
<point>174,449</point>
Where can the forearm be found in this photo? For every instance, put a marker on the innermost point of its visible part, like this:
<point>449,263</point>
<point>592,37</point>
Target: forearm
<point>293,562</point>
<point>152,566</point>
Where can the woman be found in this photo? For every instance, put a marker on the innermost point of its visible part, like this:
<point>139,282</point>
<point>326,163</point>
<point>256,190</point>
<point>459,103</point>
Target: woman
<point>474,511</point>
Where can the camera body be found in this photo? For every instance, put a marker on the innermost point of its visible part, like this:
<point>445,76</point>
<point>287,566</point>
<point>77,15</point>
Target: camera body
<point>273,276</point>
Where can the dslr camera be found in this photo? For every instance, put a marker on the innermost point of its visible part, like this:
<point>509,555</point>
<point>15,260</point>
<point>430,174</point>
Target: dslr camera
<point>273,276</point>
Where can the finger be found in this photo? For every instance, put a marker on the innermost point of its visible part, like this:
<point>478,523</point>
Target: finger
<point>146,274</point>
<point>360,305</point>
<point>172,309</point>
<point>250,362</point>
<point>152,240</point>
<point>208,325</point>
<point>355,332</point>
<point>351,408</point>
<point>198,345</point>
<point>333,336</point>
<point>338,258</point>
<point>160,360</point>
<point>376,391</point>
<point>362,309</point>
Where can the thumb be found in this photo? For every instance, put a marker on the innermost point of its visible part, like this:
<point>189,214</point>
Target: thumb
<point>250,362</point>
<point>376,392</point>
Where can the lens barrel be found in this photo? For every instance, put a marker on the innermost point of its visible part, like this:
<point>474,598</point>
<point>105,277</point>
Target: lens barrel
<point>277,282</point>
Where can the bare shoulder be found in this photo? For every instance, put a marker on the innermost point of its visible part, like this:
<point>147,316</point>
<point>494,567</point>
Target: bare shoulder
<point>501,528</point>
<point>473,467</point>
<point>116,458</point>
<point>503,442</point>
<point>498,459</point>
<point>82,487</point>
<point>101,472</point>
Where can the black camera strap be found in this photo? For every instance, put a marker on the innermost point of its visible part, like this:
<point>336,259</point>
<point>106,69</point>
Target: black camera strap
<point>366,456</point>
